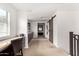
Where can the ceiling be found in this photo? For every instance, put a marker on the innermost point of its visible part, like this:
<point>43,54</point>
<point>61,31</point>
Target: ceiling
<point>44,11</point>
<point>36,11</point>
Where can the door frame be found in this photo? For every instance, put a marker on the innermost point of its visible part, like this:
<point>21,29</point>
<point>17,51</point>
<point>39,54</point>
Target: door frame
<point>44,28</point>
<point>51,20</point>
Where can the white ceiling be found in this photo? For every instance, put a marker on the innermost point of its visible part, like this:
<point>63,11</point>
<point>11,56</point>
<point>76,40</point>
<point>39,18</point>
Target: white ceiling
<point>36,11</point>
<point>44,11</point>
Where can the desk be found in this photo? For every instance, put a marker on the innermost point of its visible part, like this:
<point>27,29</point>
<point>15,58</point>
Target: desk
<point>5,43</point>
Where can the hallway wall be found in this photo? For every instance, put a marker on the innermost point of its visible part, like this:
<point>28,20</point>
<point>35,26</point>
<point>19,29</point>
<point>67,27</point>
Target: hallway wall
<point>65,24</point>
<point>67,19</point>
<point>34,29</point>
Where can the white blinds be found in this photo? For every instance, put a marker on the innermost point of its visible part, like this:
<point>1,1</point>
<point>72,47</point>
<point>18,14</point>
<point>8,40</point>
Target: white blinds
<point>4,28</point>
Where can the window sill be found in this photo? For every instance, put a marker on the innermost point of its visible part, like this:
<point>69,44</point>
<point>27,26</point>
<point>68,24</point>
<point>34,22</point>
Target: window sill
<point>3,37</point>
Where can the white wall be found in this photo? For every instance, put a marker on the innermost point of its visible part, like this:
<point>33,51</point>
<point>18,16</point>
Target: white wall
<point>67,19</point>
<point>34,29</point>
<point>12,12</point>
<point>22,25</point>
<point>65,24</point>
<point>55,36</point>
<point>47,30</point>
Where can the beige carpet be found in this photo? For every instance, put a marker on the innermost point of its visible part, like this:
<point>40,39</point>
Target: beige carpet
<point>42,47</point>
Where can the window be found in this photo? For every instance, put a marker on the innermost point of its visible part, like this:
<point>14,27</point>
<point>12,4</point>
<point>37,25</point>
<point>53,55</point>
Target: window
<point>4,23</point>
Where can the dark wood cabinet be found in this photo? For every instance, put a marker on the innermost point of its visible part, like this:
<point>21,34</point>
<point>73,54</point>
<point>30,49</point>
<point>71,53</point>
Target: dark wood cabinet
<point>30,36</point>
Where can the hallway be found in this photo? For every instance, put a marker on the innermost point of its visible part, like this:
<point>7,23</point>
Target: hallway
<point>42,47</point>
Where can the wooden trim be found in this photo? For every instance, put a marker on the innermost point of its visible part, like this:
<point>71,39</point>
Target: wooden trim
<point>71,43</point>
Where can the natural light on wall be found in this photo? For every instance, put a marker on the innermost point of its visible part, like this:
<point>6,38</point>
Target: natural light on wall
<point>4,23</point>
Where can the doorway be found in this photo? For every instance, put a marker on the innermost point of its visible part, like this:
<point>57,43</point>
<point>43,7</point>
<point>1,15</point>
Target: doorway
<point>41,29</point>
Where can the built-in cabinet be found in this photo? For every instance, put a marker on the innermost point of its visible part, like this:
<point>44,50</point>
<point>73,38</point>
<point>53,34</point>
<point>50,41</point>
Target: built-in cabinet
<point>30,36</point>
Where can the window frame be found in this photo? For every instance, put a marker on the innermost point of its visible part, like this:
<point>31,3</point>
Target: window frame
<point>7,17</point>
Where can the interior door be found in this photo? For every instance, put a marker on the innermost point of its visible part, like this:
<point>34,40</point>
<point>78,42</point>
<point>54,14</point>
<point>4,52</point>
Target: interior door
<point>51,30</point>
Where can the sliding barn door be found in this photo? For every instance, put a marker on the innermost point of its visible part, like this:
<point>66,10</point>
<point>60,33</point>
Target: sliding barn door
<point>51,30</point>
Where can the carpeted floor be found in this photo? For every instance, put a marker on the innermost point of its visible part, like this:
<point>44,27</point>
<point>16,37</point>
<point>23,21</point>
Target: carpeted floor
<point>42,47</point>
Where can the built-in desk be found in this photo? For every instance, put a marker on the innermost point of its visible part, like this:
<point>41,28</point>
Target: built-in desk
<point>5,43</point>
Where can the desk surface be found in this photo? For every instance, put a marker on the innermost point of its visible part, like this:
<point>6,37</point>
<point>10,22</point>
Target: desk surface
<point>5,43</point>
